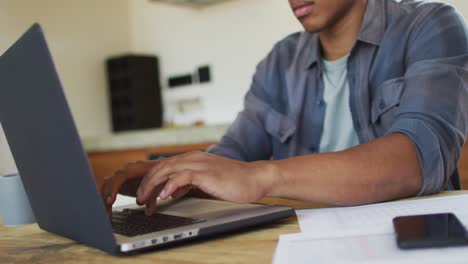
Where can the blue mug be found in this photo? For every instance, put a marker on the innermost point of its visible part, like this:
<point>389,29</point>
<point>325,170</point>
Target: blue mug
<point>14,204</point>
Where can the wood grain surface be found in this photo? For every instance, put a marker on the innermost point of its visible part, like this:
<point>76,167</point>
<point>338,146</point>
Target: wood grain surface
<point>32,245</point>
<point>29,244</point>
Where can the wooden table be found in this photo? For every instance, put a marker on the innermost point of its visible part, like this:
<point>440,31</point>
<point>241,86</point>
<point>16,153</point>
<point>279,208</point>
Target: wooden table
<point>29,244</point>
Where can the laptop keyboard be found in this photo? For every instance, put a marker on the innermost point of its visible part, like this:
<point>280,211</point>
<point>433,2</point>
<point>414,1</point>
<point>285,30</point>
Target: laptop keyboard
<point>131,222</point>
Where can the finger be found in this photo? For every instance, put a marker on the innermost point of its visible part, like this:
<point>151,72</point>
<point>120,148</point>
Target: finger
<point>130,187</point>
<point>113,184</point>
<point>105,187</point>
<point>177,181</point>
<point>167,166</point>
<point>148,187</point>
<point>163,171</point>
<point>102,190</point>
<point>157,167</point>
<point>181,192</point>
<point>192,160</point>
<point>104,181</point>
<point>130,171</point>
<point>109,202</point>
<point>151,202</point>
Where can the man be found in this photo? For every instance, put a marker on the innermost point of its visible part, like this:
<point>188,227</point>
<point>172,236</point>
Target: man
<point>369,104</point>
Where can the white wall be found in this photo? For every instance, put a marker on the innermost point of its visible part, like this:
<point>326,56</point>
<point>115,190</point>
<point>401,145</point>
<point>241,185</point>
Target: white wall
<point>232,37</point>
<point>81,34</point>
<point>461,5</point>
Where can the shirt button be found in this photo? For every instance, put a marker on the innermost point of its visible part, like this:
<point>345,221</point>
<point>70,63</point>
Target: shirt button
<point>358,126</point>
<point>381,104</point>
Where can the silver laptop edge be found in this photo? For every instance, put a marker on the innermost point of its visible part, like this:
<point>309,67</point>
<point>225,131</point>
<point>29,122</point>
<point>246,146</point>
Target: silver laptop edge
<point>233,216</point>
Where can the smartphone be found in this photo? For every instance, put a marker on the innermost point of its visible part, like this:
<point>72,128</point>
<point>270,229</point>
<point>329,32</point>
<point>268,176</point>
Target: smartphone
<point>431,230</point>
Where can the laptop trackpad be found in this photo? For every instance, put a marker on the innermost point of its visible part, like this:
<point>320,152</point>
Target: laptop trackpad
<point>202,208</point>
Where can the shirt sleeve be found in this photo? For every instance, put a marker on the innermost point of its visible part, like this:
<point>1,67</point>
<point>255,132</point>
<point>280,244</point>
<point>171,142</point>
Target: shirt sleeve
<point>247,139</point>
<point>433,110</point>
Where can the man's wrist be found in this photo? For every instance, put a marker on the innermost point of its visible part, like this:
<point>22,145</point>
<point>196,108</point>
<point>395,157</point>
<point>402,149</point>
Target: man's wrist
<point>268,177</point>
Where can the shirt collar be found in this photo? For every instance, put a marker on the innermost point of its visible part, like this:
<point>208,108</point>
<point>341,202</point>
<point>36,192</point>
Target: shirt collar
<point>373,25</point>
<point>313,53</point>
<point>372,31</point>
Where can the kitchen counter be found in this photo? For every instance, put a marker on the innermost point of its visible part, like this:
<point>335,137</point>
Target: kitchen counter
<point>155,137</point>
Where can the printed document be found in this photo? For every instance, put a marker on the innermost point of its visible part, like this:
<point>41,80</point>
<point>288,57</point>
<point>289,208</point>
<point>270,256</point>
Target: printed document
<point>364,234</point>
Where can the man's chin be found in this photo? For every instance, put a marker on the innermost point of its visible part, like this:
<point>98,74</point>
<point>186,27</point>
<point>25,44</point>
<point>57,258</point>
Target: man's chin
<point>311,26</point>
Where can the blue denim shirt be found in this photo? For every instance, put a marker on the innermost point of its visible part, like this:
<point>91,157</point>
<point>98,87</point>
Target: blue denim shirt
<point>408,73</point>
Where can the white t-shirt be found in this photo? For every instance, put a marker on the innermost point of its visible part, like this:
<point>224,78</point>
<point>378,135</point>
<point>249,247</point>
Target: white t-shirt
<point>338,129</point>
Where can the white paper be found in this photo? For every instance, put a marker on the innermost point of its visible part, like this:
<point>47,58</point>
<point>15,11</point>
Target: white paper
<point>364,234</point>
<point>376,218</point>
<point>377,249</point>
<point>122,200</point>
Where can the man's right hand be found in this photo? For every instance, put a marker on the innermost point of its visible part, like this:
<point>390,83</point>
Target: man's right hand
<point>127,180</point>
<point>123,182</point>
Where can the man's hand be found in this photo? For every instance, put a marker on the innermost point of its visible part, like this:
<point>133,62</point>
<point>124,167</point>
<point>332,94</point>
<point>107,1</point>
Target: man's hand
<point>124,182</point>
<point>222,178</point>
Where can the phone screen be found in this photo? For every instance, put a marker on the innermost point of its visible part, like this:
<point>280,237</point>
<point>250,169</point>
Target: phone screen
<point>432,230</point>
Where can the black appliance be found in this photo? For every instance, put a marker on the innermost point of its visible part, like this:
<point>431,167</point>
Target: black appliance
<point>135,92</point>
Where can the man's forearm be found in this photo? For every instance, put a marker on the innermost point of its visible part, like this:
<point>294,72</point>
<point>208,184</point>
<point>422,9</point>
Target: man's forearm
<point>383,169</point>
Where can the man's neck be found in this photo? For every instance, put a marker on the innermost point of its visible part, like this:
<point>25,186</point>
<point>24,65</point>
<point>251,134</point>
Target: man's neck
<point>338,40</point>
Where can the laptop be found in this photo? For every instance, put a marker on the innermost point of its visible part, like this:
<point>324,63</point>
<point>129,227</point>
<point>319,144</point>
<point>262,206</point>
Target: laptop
<point>58,180</point>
